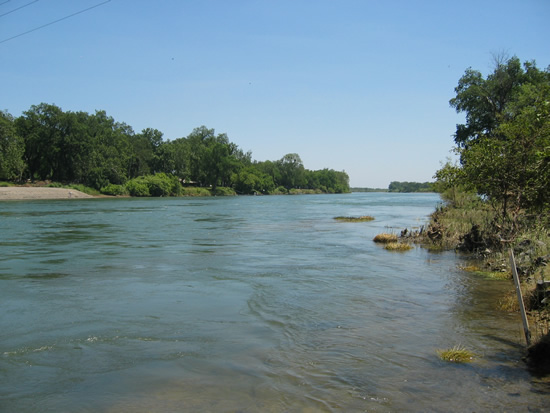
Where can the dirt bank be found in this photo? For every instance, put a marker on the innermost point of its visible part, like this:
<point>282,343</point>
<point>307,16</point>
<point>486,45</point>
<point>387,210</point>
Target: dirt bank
<point>23,193</point>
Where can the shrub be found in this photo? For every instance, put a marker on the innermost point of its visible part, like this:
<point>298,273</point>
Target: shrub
<point>114,190</point>
<point>281,190</point>
<point>159,184</point>
<point>194,191</point>
<point>136,187</point>
<point>223,191</point>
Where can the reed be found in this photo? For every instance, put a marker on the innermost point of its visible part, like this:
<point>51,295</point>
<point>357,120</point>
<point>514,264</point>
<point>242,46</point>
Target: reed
<point>457,354</point>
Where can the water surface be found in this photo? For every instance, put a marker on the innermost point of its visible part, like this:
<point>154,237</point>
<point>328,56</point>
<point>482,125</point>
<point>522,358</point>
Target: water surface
<point>245,304</point>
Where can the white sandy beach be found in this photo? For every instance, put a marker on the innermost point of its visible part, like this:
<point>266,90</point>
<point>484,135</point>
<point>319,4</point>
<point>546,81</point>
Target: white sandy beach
<point>23,192</point>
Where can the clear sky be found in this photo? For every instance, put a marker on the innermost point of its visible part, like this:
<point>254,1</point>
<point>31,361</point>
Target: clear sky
<point>355,85</point>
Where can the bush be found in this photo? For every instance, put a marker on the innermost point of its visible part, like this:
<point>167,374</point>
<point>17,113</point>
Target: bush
<point>137,187</point>
<point>159,184</point>
<point>194,191</point>
<point>114,190</point>
<point>223,191</point>
<point>280,191</point>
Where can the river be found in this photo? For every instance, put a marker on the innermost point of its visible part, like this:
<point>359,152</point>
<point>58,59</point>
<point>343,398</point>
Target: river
<point>246,304</point>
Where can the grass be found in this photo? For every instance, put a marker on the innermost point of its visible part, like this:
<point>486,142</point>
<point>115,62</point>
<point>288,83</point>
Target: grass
<point>492,275</point>
<point>363,218</point>
<point>385,238</point>
<point>398,246</point>
<point>457,354</point>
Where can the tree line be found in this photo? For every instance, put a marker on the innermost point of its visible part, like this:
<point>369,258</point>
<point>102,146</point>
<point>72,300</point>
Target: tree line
<point>396,186</point>
<point>46,143</point>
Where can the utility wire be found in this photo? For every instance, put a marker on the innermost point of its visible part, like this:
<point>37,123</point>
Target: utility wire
<point>7,1</point>
<point>55,21</point>
<point>19,8</point>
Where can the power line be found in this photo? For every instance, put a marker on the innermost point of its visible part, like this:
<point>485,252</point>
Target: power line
<point>55,21</point>
<point>19,8</point>
<point>7,1</point>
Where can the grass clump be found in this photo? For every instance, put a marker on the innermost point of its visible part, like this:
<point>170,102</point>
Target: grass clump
<point>363,218</point>
<point>457,354</point>
<point>398,246</point>
<point>492,275</point>
<point>385,238</point>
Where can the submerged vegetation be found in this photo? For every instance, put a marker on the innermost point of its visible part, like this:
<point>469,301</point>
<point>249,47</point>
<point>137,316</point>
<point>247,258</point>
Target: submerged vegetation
<point>364,218</point>
<point>385,238</point>
<point>456,354</point>
<point>398,246</point>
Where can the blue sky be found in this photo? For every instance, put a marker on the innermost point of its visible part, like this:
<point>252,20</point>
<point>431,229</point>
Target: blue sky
<point>355,85</point>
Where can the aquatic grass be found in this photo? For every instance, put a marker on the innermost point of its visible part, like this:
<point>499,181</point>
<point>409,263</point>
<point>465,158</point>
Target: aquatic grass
<point>363,218</point>
<point>385,238</point>
<point>457,354</point>
<point>491,275</point>
<point>398,246</point>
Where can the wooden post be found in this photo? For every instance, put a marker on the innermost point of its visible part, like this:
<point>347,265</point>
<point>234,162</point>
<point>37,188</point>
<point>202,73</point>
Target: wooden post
<point>520,299</point>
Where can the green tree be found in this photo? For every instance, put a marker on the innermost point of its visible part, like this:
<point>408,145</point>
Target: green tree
<point>292,171</point>
<point>12,149</point>
<point>250,180</point>
<point>504,143</point>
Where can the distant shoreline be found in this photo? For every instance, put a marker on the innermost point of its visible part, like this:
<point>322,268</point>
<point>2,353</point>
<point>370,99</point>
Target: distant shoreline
<point>18,193</point>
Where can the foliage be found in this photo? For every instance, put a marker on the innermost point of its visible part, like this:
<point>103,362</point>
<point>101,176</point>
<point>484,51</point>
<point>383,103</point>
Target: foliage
<point>504,146</point>
<point>396,186</point>
<point>223,191</point>
<point>251,179</point>
<point>47,143</point>
<point>193,191</point>
<point>12,148</point>
<point>157,185</point>
<point>114,190</point>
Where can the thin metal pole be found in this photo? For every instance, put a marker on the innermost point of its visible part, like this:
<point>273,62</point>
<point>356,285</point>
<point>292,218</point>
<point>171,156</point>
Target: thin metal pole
<point>520,299</point>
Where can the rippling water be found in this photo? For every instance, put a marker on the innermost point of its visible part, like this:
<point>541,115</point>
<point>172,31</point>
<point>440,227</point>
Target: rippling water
<point>245,304</point>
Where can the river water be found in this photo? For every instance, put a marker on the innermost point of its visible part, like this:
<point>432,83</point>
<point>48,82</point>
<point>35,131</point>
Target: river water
<point>245,304</point>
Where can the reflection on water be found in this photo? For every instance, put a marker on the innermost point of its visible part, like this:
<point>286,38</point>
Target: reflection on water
<point>245,304</point>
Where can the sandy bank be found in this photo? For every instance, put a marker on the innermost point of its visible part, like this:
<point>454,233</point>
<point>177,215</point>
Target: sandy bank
<point>23,192</point>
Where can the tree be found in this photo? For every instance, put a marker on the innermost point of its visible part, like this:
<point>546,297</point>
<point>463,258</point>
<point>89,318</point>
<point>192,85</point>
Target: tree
<point>504,145</point>
<point>292,171</point>
<point>12,148</point>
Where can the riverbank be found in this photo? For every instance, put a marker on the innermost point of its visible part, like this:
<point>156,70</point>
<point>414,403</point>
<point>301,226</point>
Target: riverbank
<point>468,225</point>
<point>33,193</point>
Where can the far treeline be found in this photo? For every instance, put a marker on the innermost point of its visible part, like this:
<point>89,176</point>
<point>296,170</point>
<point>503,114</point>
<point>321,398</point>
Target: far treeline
<point>396,186</point>
<point>94,150</point>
